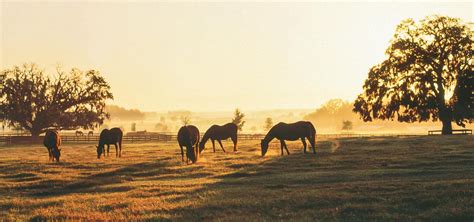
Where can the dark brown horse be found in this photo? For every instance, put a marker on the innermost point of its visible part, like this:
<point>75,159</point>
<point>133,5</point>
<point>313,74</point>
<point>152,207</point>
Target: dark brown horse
<point>282,131</point>
<point>219,133</point>
<point>107,137</point>
<point>188,136</point>
<point>52,141</point>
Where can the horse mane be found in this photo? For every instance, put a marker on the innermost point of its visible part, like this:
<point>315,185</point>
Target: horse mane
<point>206,135</point>
<point>270,135</point>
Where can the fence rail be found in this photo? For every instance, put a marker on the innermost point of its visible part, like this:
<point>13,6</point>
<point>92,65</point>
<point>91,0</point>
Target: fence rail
<point>26,139</point>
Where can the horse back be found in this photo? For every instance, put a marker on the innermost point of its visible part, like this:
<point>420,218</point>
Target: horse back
<point>51,139</point>
<point>193,134</point>
<point>293,131</point>
<point>188,134</point>
<point>223,132</point>
<point>111,136</point>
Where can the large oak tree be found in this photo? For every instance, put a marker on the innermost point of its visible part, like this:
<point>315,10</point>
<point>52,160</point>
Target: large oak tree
<point>427,75</point>
<point>35,101</point>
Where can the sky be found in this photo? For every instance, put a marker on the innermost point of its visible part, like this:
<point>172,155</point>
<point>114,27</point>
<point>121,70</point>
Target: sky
<point>213,56</point>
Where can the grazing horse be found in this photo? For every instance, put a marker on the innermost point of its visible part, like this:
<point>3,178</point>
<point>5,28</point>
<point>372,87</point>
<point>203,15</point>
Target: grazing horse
<point>79,133</point>
<point>293,131</point>
<point>107,137</point>
<point>188,136</point>
<point>90,133</point>
<point>219,133</point>
<point>52,141</point>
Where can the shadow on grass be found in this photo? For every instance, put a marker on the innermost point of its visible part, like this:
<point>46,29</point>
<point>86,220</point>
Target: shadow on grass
<point>355,183</point>
<point>106,182</point>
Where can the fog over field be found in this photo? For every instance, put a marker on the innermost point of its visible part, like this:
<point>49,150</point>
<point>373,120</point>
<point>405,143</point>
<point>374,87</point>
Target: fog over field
<point>328,119</point>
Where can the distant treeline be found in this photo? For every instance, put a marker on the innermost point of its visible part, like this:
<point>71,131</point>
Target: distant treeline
<point>120,113</point>
<point>330,116</point>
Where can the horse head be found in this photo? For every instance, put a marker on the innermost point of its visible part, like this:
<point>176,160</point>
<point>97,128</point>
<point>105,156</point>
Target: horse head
<point>100,148</point>
<point>201,146</point>
<point>191,154</point>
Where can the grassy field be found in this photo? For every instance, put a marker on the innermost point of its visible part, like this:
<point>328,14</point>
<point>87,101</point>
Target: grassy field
<point>356,179</point>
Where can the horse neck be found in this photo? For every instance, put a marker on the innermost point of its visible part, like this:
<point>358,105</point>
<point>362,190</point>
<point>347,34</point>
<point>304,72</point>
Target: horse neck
<point>269,137</point>
<point>206,137</point>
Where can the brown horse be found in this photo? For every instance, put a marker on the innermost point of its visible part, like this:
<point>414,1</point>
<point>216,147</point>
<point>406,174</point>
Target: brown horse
<point>219,133</point>
<point>282,131</point>
<point>188,136</point>
<point>107,137</point>
<point>52,141</point>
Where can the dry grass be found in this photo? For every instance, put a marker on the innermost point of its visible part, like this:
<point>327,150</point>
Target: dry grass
<point>357,179</point>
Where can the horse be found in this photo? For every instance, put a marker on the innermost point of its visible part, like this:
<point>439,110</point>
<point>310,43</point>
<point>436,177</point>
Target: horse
<point>216,132</point>
<point>52,141</point>
<point>188,136</point>
<point>107,137</point>
<point>79,133</point>
<point>90,133</point>
<point>293,131</point>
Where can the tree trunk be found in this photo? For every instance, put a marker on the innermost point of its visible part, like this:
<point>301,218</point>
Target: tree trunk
<point>446,117</point>
<point>35,136</point>
<point>447,127</point>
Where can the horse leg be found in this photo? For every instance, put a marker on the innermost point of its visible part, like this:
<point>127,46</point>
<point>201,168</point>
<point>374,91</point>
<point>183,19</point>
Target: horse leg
<point>120,147</point>
<point>116,150</point>
<point>220,143</point>
<point>312,141</point>
<point>50,155</point>
<point>303,139</point>
<point>234,140</point>
<point>196,150</point>
<point>213,146</point>
<point>108,149</point>
<point>182,153</point>
<point>286,147</point>
<point>282,144</point>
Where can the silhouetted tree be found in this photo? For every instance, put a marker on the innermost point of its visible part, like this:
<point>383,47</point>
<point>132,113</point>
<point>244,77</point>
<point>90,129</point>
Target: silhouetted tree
<point>268,123</point>
<point>161,127</point>
<point>120,113</point>
<point>346,125</point>
<point>426,63</point>
<point>238,119</point>
<point>35,101</point>
<point>185,120</point>
<point>133,128</point>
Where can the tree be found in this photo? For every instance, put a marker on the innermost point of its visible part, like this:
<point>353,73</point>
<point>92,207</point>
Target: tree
<point>238,119</point>
<point>346,125</point>
<point>133,128</point>
<point>185,120</point>
<point>427,66</point>
<point>35,101</point>
<point>268,123</point>
<point>331,113</point>
<point>161,127</point>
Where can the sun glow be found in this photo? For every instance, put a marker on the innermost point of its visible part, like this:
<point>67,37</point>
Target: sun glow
<point>156,55</point>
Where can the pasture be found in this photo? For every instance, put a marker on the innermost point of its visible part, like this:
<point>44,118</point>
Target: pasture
<point>356,179</point>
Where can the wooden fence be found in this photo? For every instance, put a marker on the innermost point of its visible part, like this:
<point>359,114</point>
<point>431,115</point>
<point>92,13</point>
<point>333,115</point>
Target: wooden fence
<point>24,139</point>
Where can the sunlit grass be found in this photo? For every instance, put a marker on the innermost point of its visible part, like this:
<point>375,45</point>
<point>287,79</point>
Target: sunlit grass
<point>381,178</point>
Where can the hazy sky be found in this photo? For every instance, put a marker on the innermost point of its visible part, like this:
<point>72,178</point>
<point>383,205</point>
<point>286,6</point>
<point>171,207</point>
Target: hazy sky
<point>212,56</point>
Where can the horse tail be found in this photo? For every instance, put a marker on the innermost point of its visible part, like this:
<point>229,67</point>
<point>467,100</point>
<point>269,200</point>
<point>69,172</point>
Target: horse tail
<point>312,132</point>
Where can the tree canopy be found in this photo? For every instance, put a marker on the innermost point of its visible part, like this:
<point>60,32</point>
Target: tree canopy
<point>268,123</point>
<point>238,119</point>
<point>425,75</point>
<point>35,101</point>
